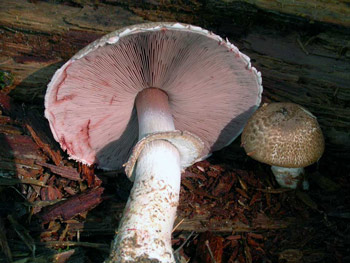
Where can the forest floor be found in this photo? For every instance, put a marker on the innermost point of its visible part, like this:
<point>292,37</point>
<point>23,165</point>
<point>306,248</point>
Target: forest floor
<point>52,207</point>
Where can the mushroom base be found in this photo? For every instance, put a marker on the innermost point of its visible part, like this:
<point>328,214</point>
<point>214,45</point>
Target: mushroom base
<point>144,233</point>
<point>289,177</point>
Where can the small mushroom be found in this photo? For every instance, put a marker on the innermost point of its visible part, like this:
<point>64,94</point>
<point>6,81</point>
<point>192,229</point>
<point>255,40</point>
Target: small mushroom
<point>156,97</point>
<point>285,136</point>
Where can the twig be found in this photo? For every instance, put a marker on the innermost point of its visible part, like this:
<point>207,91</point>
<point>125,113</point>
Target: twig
<point>274,191</point>
<point>182,245</point>
<point>302,46</point>
<point>72,243</point>
<point>46,203</point>
<point>177,225</point>
<point>210,252</point>
<point>3,242</point>
<point>23,234</point>
<point>14,181</point>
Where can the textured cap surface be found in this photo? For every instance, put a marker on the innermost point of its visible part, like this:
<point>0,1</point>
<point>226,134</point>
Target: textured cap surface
<point>211,86</point>
<point>283,134</point>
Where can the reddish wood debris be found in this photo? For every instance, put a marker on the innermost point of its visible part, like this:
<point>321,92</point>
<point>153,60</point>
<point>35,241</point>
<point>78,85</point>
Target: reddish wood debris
<point>88,173</point>
<point>75,205</point>
<point>30,156</point>
<point>223,194</point>
<point>5,102</point>
<point>50,193</point>
<point>64,171</point>
<point>209,248</point>
<point>18,154</point>
<point>39,130</point>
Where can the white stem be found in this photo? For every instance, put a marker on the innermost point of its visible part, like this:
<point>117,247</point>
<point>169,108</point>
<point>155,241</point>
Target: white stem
<point>289,177</point>
<point>153,112</point>
<point>144,233</point>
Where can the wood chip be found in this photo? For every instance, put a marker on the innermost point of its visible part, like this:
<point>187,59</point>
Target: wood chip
<point>64,171</point>
<point>73,206</point>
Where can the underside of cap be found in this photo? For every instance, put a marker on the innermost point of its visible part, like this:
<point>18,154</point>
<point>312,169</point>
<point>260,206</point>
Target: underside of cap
<point>211,86</point>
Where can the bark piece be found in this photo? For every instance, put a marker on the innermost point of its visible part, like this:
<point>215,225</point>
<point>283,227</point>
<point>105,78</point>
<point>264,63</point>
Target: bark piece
<point>18,154</point>
<point>75,205</point>
<point>50,193</point>
<point>64,171</point>
<point>209,248</point>
<point>88,174</point>
<point>38,128</point>
<point>225,183</point>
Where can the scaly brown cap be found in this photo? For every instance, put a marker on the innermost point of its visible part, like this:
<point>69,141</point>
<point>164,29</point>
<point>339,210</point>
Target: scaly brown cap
<point>283,134</point>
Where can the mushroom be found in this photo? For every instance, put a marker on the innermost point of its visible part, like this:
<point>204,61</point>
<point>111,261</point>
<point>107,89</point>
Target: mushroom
<point>285,136</point>
<point>157,97</point>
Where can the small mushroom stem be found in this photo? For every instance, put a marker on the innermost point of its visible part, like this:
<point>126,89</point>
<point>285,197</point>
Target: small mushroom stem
<point>144,233</point>
<point>289,177</point>
<point>153,112</point>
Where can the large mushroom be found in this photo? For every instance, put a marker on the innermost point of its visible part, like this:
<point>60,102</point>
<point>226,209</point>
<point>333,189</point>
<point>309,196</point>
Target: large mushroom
<point>156,97</point>
<point>285,136</point>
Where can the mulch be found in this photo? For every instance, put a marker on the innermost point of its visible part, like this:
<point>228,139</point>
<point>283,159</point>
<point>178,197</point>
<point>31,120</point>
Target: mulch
<point>53,209</point>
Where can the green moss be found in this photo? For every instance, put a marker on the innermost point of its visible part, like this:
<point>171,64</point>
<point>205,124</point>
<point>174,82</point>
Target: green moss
<point>6,79</point>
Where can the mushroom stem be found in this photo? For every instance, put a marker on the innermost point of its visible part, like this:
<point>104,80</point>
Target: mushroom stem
<point>153,112</point>
<point>144,233</point>
<point>289,177</point>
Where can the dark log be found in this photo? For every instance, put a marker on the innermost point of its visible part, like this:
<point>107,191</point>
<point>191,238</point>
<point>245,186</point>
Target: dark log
<point>333,12</point>
<point>301,47</point>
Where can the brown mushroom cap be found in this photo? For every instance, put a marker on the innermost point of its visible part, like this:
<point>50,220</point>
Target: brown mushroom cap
<point>283,134</point>
<point>211,86</point>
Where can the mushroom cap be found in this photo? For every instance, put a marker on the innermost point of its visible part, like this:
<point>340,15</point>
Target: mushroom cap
<point>283,134</point>
<point>211,86</point>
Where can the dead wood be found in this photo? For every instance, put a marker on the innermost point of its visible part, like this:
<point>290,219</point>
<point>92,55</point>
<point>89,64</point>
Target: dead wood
<point>64,171</point>
<point>334,12</point>
<point>73,206</point>
<point>40,132</point>
<point>210,248</point>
